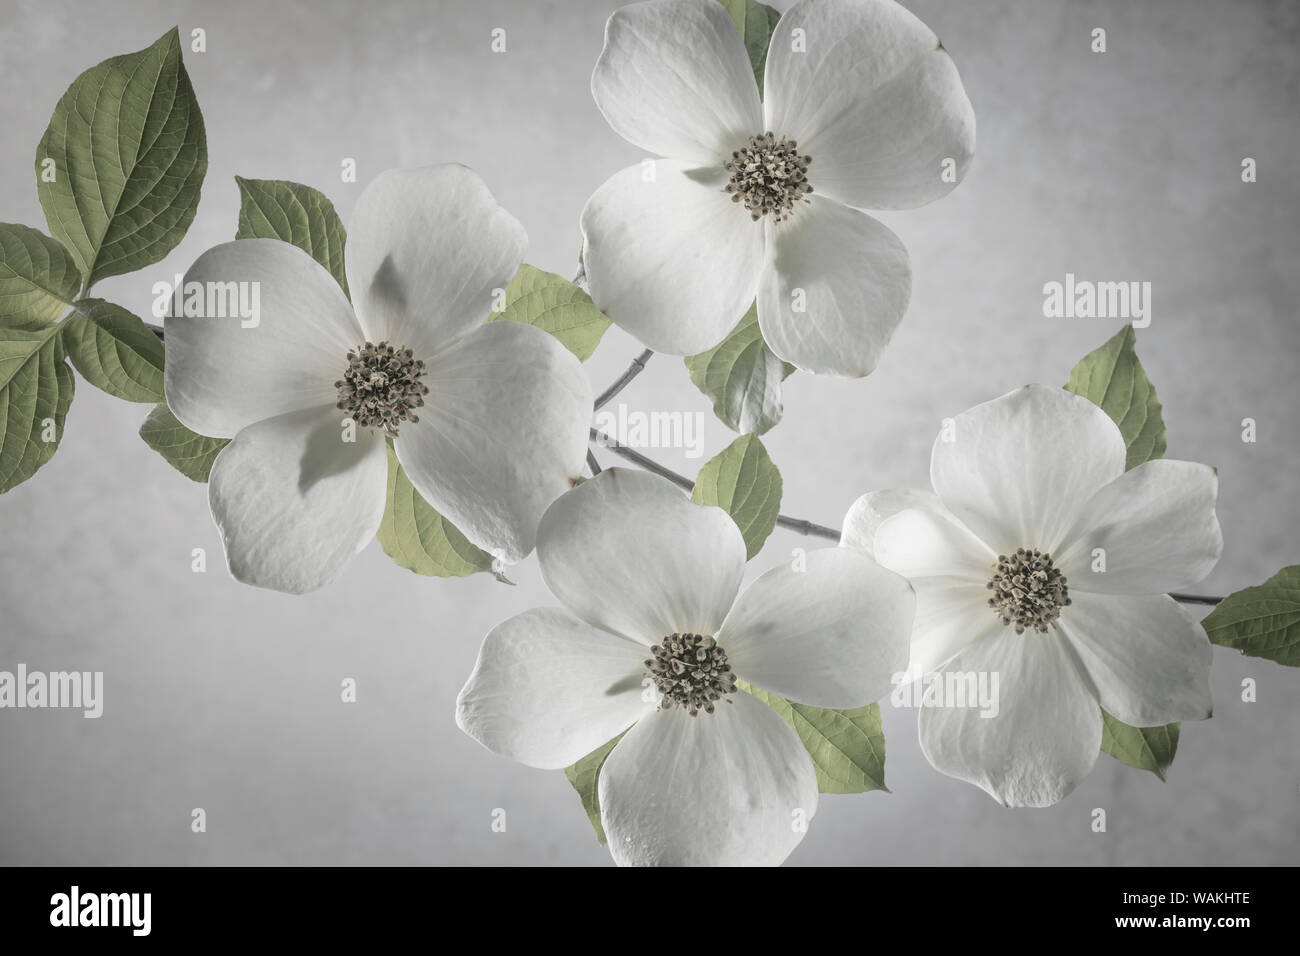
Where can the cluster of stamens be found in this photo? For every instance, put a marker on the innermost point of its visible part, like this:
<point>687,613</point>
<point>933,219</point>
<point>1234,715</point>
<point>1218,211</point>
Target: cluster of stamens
<point>1028,590</point>
<point>381,387</point>
<point>690,671</point>
<point>769,176</point>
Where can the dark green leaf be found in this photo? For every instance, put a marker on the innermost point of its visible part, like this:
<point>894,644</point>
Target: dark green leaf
<point>296,214</point>
<point>188,452</point>
<point>38,277</point>
<point>36,388</point>
<point>129,156</point>
<point>1263,621</point>
<point>1113,378</point>
<point>115,351</point>
<point>1146,748</point>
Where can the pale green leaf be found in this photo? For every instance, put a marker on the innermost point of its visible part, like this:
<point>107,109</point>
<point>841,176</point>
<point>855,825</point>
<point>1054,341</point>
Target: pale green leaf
<point>188,452</point>
<point>296,214</point>
<point>585,775</point>
<point>1113,378</point>
<point>115,351</point>
<point>1146,748</point>
<point>555,305</point>
<point>38,276</point>
<point>1261,621</point>
<point>847,746</point>
<point>419,539</point>
<point>743,481</point>
<point>36,389</point>
<point>755,21</point>
<point>742,377</point>
<point>129,156</point>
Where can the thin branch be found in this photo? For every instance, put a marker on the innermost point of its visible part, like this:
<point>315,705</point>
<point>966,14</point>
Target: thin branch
<point>592,463</point>
<point>649,464</point>
<point>808,527</point>
<point>633,370</point>
<point>798,525</point>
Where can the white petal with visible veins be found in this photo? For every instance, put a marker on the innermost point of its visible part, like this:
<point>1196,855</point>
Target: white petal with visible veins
<point>831,634</point>
<point>874,100</point>
<point>294,501</point>
<point>427,251</point>
<point>226,371</point>
<point>674,79</point>
<point>729,788</point>
<point>629,552</point>
<point>549,689</point>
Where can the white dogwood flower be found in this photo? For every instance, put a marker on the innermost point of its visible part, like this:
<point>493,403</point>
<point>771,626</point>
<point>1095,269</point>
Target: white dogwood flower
<point>862,107</point>
<point>489,419</point>
<point>651,639</point>
<point>1039,558</point>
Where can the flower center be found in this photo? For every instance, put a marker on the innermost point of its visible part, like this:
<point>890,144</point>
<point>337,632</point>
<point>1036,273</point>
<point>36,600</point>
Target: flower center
<point>381,386</point>
<point>691,671</point>
<point>1028,590</point>
<point>769,176</point>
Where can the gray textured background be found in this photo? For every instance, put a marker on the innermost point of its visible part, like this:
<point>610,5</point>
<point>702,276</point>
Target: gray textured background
<point>1116,166</point>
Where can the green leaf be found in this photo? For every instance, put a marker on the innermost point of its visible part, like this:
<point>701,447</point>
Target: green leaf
<point>36,388</point>
<point>1263,621</point>
<point>584,776</point>
<point>554,305</point>
<point>188,452</point>
<point>129,156</point>
<point>743,481</point>
<point>296,214</point>
<point>847,746</point>
<point>755,21</point>
<point>1146,748</point>
<point>743,378</point>
<point>419,539</point>
<point>38,276</point>
<point>115,351</point>
<point>1113,378</point>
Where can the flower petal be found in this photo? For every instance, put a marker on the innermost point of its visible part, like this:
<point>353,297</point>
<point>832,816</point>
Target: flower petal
<point>670,259</point>
<point>226,370</point>
<point>723,789</point>
<point>1156,526</point>
<point>949,616</point>
<point>674,79</point>
<point>502,433</point>
<point>1018,470</point>
<point>835,285</point>
<point>929,542</point>
<point>628,552</point>
<point>548,689</point>
<point>1148,658</point>
<point>866,514</point>
<point>830,634</point>
<point>1046,733</point>
<point>875,101</point>
<point>427,249</point>
<point>294,501</point>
